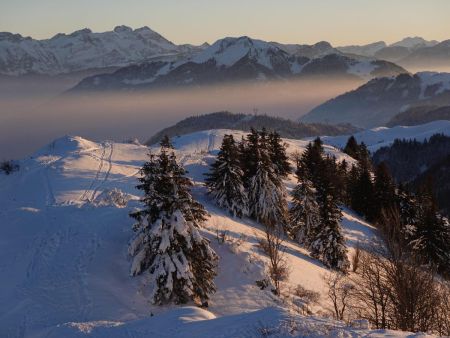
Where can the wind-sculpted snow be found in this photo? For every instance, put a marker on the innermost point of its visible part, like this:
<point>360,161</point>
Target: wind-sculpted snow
<point>65,271</point>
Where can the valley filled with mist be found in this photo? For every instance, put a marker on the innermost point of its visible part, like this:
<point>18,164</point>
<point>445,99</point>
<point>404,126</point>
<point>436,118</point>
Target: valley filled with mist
<point>27,106</point>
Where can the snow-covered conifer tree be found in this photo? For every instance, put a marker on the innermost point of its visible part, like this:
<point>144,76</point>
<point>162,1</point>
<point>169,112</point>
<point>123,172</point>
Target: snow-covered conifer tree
<point>168,243</point>
<point>278,155</point>
<point>225,182</point>
<point>304,220</point>
<point>267,194</point>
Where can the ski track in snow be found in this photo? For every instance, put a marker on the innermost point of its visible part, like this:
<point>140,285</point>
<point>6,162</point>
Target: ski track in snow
<point>108,171</point>
<point>83,197</point>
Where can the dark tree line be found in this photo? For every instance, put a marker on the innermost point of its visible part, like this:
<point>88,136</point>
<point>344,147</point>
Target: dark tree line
<point>411,220</point>
<point>412,163</point>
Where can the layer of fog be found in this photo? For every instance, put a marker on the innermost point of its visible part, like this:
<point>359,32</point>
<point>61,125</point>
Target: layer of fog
<point>32,114</point>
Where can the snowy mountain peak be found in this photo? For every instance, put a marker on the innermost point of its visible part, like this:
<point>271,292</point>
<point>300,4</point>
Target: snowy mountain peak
<point>83,50</point>
<point>228,51</point>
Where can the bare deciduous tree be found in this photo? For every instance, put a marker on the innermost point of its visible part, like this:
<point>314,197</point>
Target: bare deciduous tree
<point>274,248</point>
<point>340,291</point>
<point>371,294</point>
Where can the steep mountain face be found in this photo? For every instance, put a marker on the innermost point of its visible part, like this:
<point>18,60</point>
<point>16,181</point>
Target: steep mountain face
<point>244,122</point>
<point>84,49</point>
<point>420,115</point>
<point>379,100</point>
<point>236,59</point>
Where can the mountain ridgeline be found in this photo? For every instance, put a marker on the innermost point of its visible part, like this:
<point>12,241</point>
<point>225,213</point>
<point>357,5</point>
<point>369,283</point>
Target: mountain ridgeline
<point>226,120</point>
<point>379,100</point>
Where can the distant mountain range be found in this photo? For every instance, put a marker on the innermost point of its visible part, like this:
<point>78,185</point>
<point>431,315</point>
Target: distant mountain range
<point>379,100</point>
<point>411,52</point>
<point>134,59</point>
<point>84,49</point>
<point>240,59</point>
<point>226,120</point>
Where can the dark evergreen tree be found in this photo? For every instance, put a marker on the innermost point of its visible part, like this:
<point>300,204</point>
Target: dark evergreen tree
<point>225,182</point>
<point>249,155</point>
<point>431,237</point>
<point>168,243</point>
<point>166,142</point>
<point>311,162</point>
<point>278,155</point>
<point>384,191</point>
<point>266,191</point>
<point>329,245</point>
<point>352,147</point>
<point>304,215</point>
<point>362,195</point>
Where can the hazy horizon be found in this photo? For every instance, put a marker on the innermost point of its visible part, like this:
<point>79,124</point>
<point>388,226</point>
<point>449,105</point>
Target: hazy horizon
<point>27,109</point>
<point>341,23</point>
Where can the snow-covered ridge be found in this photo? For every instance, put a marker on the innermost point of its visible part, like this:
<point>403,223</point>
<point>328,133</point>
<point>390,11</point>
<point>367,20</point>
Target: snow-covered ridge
<point>382,136</point>
<point>228,51</point>
<point>379,100</point>
<point>238,59</point>
<point>83,50</point>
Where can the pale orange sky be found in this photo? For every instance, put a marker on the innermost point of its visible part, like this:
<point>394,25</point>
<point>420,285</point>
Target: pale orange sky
<point>340,22</point>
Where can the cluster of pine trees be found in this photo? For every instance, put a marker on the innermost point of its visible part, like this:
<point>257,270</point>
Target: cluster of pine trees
<point>316,212</point>
<point>409,221</point>
<point>247,179</point>
<point>168,243</point>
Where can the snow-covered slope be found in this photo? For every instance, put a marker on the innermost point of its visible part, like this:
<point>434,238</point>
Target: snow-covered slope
<point>376,102</point>
<point>238,59</point>
<point>64,228</point>
<point>83,50</point>
<point>382,136</point>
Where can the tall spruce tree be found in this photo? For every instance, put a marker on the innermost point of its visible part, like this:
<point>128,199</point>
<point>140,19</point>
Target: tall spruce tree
<point>304,215</point>
<point>431,237</point>
<point>329,244</point>
<point>362,194</point>
<point>352,147</point>
<point>168,243</point>
<point>384,191</point>
<point>267,194</point>
<point>278,155</point>
<point>225,180</point>
<point>249,155</point>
